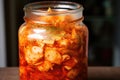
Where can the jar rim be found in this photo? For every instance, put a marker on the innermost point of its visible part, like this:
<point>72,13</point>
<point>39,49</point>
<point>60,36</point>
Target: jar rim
<point>61,7</point>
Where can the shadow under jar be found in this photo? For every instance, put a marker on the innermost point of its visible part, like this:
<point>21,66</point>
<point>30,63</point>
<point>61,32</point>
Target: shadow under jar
<point>53,42</point>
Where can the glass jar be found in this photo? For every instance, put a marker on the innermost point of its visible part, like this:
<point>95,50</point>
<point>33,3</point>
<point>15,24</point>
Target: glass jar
<point>53,42</point>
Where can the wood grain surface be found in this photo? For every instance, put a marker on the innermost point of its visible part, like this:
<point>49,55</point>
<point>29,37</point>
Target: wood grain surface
<point>94,73</point>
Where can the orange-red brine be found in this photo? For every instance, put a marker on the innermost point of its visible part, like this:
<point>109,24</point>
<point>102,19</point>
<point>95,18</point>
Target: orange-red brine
<point>53,51</point>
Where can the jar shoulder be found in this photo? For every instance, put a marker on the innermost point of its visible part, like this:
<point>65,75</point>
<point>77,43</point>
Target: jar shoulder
<point>86,28</point>
<point>21,28</point>
<point>83,28</point>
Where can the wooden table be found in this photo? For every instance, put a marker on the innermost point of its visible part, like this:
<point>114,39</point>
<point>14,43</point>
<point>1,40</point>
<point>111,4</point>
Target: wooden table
<point>94,73</point>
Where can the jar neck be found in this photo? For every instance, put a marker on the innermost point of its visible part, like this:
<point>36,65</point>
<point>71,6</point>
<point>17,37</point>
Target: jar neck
<point>46,12</point>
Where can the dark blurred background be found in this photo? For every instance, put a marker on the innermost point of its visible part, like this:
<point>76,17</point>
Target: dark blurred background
<point>101,18</point>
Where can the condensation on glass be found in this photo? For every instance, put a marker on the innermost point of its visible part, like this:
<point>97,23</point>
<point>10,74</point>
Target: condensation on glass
<point>53,42</point>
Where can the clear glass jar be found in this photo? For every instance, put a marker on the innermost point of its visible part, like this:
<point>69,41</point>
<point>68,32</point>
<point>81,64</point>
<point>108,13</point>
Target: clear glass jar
<point>53,42</point>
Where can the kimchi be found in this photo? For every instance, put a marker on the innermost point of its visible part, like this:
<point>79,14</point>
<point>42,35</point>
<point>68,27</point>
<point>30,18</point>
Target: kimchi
<point>52,47</point>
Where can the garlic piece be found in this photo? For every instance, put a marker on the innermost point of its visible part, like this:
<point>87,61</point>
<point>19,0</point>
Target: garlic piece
<point>33,54</point>
<point>67,67</point>
<point>65,57</point>
<point>53,56</point>
<point>72,73</point>
<point>45,66</point>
